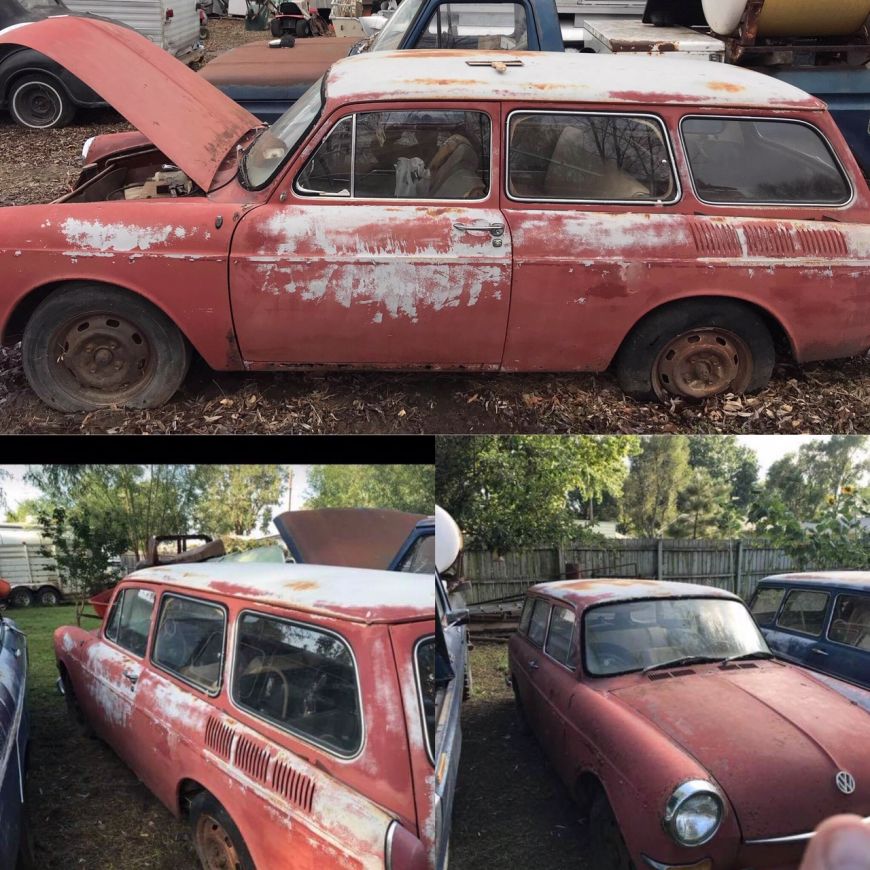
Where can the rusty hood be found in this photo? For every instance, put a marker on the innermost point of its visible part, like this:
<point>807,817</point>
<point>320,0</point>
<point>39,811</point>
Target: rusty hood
<point>773,738</point>
<point>190,121</point>
<point>349,537</point>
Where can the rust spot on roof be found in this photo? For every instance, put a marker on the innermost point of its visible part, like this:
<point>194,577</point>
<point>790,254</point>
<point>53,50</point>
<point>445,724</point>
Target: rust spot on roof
<point>731,87</point>
<point>302,585</point>
<point>429,82</point>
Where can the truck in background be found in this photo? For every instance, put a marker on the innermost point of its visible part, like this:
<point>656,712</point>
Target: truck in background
<point>32,576</point>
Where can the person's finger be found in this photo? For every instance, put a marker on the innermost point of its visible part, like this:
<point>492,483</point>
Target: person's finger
<point>841,843</point>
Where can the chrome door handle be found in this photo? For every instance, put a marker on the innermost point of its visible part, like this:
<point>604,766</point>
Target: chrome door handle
<point>819,652</point>
<point>495,230</point>
<point>534,665</point>
<point>132,677</point>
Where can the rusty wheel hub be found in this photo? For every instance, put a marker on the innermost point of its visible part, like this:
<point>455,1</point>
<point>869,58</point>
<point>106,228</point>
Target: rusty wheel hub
<point>216,849</point>
<point>105,355</point>
<point>703,363</point>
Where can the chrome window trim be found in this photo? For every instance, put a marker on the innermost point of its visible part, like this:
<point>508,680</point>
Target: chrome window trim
<point>794,838</point>
<point>305,738</point>
<point>144,657</point>
<point>666,138</point>
<point>404,200</point>
<point>553,608</point>
<point>788,594</point>
<point>827,143</point>
<point>151,660</point>
<point>839,593</point>
<point>430,747</point>
<point>388,845</point>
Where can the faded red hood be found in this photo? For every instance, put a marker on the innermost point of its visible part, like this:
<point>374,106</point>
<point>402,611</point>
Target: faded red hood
<point>772,738</point>
<point>190,121</point>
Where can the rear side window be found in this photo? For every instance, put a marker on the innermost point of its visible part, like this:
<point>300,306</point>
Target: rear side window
<point>762,161</point>
<point>766,605</point>
<point>567,156</point>
<point>850,623</point>
<point>420,559</point>
<point>804,611</point>
<point>130,620</point>
<point>498,26</point>
<point>559,636</point>
<point>538,624</point>
<point>422,154</point>
<point>190,641</point>
<point>425,664</point>
<point>300,678</point>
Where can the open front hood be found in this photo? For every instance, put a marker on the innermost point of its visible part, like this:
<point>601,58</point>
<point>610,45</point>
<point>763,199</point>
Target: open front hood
<point>350,537</point>
<point>773,738</point>
<point>190,121</point>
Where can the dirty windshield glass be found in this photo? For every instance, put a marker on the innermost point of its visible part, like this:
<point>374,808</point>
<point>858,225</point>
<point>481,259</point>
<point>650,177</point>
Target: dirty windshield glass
<point>639,634</point>
<point>273,144</point>
<point>391,36</point>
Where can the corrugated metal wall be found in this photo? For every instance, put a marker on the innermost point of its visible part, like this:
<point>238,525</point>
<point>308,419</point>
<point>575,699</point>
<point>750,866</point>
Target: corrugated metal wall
<point>733,565</point>
<point>23,565</point>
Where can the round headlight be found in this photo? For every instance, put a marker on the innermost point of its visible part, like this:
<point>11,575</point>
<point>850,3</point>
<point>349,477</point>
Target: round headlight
<point>694,813</point>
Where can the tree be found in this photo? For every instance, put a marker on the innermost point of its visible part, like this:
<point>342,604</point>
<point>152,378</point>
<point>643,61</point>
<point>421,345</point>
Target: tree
<point>705,508</point>
<point>26,511</point>
<point>655,478</point>
<point>236,498</point>
<point>400,487</point>
<point>507,492</point>
<point>727,461</point>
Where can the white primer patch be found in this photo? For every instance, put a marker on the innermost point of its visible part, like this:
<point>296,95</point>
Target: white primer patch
<point>116,237</point>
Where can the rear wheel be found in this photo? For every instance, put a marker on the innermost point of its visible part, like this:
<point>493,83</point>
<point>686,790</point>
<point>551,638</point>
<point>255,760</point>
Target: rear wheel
<point>40,103</point>
<point>21,597</point>
<point>695,350</point>
<point>48,597</point>
<point>217,840</point>
<point>607,845</point>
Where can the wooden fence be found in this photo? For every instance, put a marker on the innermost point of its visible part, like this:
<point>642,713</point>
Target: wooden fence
<point>733,565</point>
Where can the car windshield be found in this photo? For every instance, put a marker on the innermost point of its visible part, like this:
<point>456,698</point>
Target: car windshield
<point>637,635</point>
<point>272,145</point>
<point>391,36</point>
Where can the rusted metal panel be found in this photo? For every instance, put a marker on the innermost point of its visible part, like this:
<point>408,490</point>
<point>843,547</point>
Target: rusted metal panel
<point>354,537</point>
<point>192,123</point>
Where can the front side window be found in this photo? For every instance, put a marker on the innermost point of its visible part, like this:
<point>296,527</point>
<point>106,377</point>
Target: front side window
<point>766,604</point>
<point>425,666</point>
<point>300,678</point>
<point>538,623</point>
<point>559,637</point>
<point>420,154</point>
<point>567,156</point>
<point>762,161</point>
<point>804,611</point>
<point>130,619</point>
<point>190,641</point>
<point>498,26</point>
<point>850,623</point>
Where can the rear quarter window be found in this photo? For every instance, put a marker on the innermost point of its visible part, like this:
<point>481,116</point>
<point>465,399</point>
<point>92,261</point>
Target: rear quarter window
<point>538,622</point>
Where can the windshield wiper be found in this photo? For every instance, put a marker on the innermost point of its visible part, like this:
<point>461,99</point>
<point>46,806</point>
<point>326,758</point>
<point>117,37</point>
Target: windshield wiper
<point>758,654</point>
<point>682,660</point>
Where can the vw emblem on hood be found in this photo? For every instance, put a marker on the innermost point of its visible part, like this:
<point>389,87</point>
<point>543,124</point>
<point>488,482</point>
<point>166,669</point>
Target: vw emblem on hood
<point>845,782</point>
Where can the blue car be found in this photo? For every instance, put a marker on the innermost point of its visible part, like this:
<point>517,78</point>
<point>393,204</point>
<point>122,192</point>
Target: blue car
<point>14,733</point>
<point>820,621</point>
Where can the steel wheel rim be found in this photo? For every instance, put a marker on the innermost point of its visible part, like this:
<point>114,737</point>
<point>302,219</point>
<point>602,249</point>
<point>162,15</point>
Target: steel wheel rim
<point>216,849</point>
<point>38,105</point>
<point>702,363</point>
<point>102,357</point>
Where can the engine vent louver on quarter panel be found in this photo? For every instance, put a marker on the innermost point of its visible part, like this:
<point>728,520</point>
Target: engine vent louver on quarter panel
<point>716,240</point>
<point>218,737</point>
<point>822,243</point>
<point>659,676</point>
<point>769,240</point>
<point>295,787</point>
<point>252,758</point>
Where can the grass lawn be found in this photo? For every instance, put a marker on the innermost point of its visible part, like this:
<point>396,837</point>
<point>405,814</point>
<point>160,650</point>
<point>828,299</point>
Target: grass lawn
<point>87,810</point>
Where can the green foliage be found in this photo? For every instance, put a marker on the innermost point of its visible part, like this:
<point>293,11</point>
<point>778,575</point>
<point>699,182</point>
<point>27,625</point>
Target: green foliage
<point>25,512</point>
<point>507,492</point>
<point>400,487</point>
<point>728,462</point>
<point>657,474</point>
<point>705,508</point>
<point>237,499</point>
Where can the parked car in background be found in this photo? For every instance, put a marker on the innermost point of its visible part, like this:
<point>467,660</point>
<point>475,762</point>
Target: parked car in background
<point>685,742</point>
<point>285,710</point>
<point>819,620</point>
<point>14,739</point>
<point>670,223</point>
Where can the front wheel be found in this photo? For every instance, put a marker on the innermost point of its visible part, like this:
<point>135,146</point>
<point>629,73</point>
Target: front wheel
<point>90,346</point>
<point>695,350</point>
<point>217,840</point>
<point>607,844</point>
<point>40,103</point>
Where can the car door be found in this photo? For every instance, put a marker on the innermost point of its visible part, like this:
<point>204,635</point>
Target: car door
<point>383,245</point>
<point>848,636</point>
<point>113,667</point>
<point>800,626</point>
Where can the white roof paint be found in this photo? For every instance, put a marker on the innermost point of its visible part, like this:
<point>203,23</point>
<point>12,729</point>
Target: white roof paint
<point>594,591</point>
<point>563,77</point>
<point>356,594</point>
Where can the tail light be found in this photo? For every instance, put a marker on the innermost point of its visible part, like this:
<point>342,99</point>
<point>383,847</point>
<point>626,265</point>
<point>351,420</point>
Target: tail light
<point>169,14</point>
<point>403,851</point>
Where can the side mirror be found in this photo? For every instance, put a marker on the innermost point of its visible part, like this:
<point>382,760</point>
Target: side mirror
<point>458,617</point>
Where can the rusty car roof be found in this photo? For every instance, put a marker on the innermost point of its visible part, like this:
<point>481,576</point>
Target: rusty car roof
<point>600,590</point>
<point>858,579</point>
<point>354,594</point>
<point>569,77</point>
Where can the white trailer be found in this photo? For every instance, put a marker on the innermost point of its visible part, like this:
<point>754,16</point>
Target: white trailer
<point>34,577</point>
<point>171,24</point>
<point>572,13</point>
